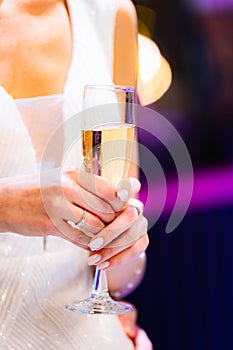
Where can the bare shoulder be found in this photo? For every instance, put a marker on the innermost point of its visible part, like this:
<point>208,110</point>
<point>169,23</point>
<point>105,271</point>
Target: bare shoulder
<point>125,58</point>
<point>126,13</point>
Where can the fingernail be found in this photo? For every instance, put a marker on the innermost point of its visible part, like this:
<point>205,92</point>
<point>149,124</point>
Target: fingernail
<point>123,195</point>
<point>135,183</point>
<point>91,260</point>
<point>103,265</point>
<point>124,190</point>
<point>96,244</point>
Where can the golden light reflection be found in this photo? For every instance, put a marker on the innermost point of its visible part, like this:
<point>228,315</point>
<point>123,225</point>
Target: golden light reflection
<point>154,72</point>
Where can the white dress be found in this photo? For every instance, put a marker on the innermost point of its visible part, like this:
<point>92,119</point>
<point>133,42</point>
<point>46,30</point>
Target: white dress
<point>35,285</point>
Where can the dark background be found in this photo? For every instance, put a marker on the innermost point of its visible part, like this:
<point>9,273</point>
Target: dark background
<point>186,299</point>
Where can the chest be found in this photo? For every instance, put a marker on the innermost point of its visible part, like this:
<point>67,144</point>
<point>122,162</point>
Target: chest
<point>35,48</point>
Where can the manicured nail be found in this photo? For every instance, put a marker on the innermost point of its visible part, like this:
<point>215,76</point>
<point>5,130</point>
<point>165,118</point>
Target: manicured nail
<point>123,195</point>
<point>96,244</point>
<point>135,183</point>
<point>103,265</point>
<point>93,259</point>
<point>124,190</point>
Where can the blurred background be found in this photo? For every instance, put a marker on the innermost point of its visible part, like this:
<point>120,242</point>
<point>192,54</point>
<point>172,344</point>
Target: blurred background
<point>186,299</point>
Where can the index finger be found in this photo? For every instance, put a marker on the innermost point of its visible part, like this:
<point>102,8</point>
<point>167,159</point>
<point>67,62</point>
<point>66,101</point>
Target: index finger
<point>116,195</point>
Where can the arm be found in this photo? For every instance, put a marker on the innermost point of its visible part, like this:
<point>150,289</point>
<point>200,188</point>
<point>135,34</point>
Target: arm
<point>137,59</point>
<point>125,44</point>
<point>41,204</point>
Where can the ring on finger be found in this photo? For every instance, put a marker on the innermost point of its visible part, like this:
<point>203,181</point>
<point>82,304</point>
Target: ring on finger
<point>133,202</point>
<point>79,225</point>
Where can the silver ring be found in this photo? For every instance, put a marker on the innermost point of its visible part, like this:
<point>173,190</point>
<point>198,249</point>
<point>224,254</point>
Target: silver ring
<point>136,204</point>
<point>140,211</point>
<point>80,223</point>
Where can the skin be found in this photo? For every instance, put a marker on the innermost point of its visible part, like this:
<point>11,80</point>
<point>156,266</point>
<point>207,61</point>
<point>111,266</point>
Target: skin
<point>125,45</point>
<point>23,75</point>
<point>41,68</point>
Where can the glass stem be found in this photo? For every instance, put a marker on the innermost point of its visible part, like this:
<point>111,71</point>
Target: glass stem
<point>100,284</point>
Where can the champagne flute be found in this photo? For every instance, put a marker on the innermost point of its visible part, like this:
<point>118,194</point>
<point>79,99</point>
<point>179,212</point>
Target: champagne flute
<point>108,135</point>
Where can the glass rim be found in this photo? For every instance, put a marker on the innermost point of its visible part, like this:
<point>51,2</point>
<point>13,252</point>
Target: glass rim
<point>110,87</point>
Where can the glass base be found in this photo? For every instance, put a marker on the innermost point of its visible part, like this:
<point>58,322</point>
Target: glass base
<point>100,304</point>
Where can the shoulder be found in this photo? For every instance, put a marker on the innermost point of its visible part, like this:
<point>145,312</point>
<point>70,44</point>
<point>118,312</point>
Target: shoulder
<point>127,5</point>
<point>126,11</point>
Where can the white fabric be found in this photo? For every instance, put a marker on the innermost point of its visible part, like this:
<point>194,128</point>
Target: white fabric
<point>13,134</point>
<point>42,116</point>
<point>35,285</point>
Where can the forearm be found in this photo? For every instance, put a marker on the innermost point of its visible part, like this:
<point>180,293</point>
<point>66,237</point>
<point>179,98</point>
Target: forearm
<point>123,279</point>
<point>40,205</point>
<point>19,198</point>
<point>4,205</point>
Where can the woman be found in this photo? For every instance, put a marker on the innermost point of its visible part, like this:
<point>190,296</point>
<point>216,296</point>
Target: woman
<point>48,51</point>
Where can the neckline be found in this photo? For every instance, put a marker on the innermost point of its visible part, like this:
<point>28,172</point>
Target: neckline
<point>38,98</point>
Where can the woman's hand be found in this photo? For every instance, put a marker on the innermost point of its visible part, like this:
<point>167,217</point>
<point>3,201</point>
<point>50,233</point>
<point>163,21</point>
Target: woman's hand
<point>124,239</point>
<point>41,204</point>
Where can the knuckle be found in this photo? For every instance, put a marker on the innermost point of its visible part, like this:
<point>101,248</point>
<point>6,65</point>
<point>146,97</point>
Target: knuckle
<point>131,213</point>
<point>94,225</point>
<point>108,218</point>
<point>104,188</point>
<point>106,208</point>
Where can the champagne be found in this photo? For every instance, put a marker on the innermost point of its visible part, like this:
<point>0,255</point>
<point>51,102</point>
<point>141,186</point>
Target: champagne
<point>108,151</point>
